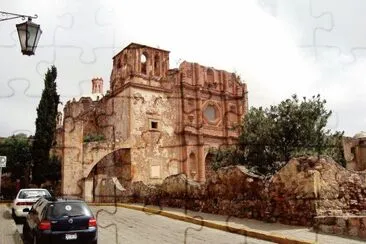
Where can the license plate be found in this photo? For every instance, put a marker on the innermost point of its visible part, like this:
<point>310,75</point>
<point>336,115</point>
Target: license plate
<point>71,236</point>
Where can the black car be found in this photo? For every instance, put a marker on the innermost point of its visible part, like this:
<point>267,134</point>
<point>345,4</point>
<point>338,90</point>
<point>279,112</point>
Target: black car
<point>60,221</point>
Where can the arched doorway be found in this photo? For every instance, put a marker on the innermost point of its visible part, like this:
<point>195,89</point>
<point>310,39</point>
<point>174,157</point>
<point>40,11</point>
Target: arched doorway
<point>109,177</point>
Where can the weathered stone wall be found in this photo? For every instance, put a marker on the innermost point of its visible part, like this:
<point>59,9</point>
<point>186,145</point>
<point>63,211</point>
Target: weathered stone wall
<point>230,191</point>
<point>309,187</point>
<point>168,119</point>
<point>213,103</point>
<point>129,62</point>
<point>72,156</point>
<point>342,225</point>
<point>154,141</point>
<point>300,191</point>
<point>355,151</point>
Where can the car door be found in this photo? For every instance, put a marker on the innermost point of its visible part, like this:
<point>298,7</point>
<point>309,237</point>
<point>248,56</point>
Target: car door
<point>40,212</point>
<point>32,215</point>
<point>30,224</point>
<point>38,215</point>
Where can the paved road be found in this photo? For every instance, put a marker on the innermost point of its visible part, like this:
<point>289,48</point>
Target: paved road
<point>131,226</point>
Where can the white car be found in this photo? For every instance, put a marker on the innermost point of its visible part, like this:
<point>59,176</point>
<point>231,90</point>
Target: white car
<point>25,199</point>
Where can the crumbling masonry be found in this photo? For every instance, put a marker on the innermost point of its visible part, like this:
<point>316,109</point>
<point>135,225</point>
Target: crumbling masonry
<point>153,122</point>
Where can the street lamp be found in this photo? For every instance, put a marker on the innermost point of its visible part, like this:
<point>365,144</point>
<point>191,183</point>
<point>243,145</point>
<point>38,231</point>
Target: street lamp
<point>28,32</point>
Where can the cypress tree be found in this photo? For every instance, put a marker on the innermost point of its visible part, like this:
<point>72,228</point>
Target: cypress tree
<point>45,125</point>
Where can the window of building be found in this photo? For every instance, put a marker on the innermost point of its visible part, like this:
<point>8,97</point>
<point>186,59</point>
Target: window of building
<point>154,125</point>
<point>143,60</point>
<point>210,113</point>
<point>157,65</point>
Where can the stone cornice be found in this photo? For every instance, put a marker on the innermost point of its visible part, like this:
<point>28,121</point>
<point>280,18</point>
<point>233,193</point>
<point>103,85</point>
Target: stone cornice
<point>213,92</point>
<point>141,86</point>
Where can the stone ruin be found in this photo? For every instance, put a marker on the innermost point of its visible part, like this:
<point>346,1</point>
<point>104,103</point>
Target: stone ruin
<point>307,191</point>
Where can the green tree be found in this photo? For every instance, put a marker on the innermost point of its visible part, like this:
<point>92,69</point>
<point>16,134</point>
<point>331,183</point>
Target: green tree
<point>271,136</point>
<point>17,149</point>
<point>52,170</point>
<point>45,126</point>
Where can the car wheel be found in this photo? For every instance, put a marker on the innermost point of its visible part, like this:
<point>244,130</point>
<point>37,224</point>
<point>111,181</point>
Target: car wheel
<point>25,234</point>
<point>16,219</point>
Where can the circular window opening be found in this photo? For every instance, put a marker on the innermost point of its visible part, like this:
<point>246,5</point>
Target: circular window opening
<point>210,113</point>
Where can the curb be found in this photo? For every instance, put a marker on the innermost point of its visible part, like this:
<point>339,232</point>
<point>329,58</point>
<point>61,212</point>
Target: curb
<point>263,235</point>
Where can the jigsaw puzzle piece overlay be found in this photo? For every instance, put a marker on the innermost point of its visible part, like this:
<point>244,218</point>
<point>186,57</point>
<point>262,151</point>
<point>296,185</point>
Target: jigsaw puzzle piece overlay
<point>94,21</point>
<point>14,102</point>
<point>108,227</point>
<point>73,73</point>
<point>307,21</point>
<point>348,19</point>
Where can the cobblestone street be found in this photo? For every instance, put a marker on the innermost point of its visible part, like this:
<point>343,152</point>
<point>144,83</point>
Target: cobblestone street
<point>129,226</point>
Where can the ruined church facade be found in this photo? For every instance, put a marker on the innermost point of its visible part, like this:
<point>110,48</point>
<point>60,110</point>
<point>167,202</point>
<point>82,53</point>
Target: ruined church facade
<point>152,123</point>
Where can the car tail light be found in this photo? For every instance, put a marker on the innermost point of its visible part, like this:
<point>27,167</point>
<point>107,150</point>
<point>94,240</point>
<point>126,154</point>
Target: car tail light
<point>44,225</point>
<point>24,203</point>
<point>92,222</point>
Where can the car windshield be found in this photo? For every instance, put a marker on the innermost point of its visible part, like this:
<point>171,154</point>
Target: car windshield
<point>26,194</point>
<point>69,209</point>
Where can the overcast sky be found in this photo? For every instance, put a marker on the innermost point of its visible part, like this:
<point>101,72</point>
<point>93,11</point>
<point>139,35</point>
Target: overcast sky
<point>279,48</point>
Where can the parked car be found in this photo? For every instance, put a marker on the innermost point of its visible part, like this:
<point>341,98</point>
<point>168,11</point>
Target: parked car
<point>60,221</point>
<point>25,199</point>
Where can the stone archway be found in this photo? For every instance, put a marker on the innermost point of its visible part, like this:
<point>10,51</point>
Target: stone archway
<point>108,178</point>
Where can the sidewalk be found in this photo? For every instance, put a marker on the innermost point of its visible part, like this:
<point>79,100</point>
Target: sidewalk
<point>8,231</point>
<point>274,232</point>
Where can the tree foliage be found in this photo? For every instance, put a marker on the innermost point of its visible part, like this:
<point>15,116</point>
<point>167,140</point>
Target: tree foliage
<point>51,170</point>
<point>17,149</point>
<point>45,125</point>
<point>271,136</point>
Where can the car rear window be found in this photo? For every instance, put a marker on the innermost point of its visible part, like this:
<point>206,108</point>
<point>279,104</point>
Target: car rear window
<point>26,194</point>
<point>70,209</point>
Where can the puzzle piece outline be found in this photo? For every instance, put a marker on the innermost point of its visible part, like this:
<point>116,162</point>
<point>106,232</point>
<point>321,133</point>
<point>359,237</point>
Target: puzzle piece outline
<point>200,126</point>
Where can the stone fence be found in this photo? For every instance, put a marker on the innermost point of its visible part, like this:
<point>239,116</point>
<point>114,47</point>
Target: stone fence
<point>303,189</point>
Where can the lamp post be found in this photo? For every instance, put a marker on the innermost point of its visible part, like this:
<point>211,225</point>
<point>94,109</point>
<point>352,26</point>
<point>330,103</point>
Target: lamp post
<point>28,32</point>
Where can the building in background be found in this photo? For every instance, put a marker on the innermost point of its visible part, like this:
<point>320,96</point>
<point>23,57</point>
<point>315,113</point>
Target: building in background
<point>153,122</point>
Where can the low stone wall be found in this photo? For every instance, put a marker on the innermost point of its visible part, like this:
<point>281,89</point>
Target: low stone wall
<point>342,225</point>
<point>231,191</point>
<point>303,189</point>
